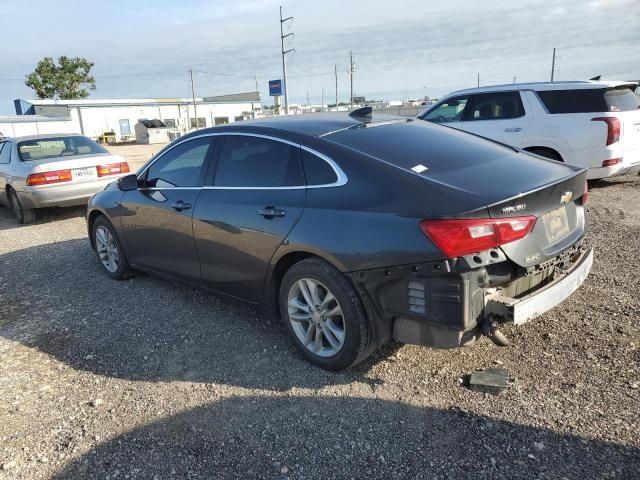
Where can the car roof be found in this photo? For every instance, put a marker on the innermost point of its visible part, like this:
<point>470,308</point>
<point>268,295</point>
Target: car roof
<point>541,86</point>
<point>315,124</point>
<point>45,136</point>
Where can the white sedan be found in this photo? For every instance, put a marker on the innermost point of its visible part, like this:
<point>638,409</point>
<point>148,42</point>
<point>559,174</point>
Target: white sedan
<point>53,171</point>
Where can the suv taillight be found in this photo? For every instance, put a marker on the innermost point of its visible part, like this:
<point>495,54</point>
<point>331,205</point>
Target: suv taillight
<point>613,128</point>
<point>462,237</point>
<point>112,169</point>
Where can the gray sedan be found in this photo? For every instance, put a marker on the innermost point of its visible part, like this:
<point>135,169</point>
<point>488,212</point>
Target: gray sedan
<point>53,171</point>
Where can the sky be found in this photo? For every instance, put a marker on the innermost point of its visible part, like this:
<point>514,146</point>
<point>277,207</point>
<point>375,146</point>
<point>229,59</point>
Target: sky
<point>402,48</point>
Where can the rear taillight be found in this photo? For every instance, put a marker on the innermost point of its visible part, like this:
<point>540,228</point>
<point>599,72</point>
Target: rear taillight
<point>45,178</point>
<point>613,128</point>
<point>611,162</point>
<point>462,237</point>
<point>112,169</point>
<point>585,194</point>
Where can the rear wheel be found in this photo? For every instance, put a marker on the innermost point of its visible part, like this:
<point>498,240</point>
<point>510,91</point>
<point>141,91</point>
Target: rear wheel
<point>324,315</point>
<point>109,250</point>
<point>23,215</point>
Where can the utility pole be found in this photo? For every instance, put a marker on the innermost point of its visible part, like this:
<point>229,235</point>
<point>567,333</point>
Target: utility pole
<point>351,70</point>
<point>308,103</point>
<point>193,95</point>
<point>322,103</point>
<point>553,64</point>
<point>478,80</point>
<point>284,60</point>
<point>335,68</point>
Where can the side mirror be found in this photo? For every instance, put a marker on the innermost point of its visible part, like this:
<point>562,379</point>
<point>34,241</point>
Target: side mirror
<point>130,182</point>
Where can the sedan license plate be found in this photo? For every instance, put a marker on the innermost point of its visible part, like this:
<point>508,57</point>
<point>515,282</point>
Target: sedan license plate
<point>87,173</point>
<point>556,224</point>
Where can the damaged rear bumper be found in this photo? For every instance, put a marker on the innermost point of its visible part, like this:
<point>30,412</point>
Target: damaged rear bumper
<point>521,310</point>
<point>443,306</point>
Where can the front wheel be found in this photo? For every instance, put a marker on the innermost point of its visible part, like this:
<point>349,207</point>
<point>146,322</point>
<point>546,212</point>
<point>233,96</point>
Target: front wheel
<point>109,250</point>
<point>324,315</point>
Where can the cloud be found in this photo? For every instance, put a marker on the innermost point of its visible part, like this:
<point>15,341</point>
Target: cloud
<point>409,48</point>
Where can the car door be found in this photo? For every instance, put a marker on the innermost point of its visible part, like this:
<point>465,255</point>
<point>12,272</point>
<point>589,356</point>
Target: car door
<point>251,201</point>
<point>500,116</point>
<point>449,112</point>
<point>157,226</point>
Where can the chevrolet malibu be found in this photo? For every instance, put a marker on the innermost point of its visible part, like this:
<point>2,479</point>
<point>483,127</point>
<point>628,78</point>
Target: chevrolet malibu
<point>53,171</point>
<point>355,230</point>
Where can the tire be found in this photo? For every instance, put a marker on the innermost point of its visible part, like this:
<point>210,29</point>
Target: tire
<point>23,215</point>
<point>109,249</point>
<point>345,338</point>
<point>546,152</point>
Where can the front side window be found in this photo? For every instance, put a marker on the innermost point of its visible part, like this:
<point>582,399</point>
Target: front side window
<point>181,166</point>
<point>5,152</point>
<point>246,161</point>
<point>448,111</point>
<point>497,106</point>
<point>54,147</point>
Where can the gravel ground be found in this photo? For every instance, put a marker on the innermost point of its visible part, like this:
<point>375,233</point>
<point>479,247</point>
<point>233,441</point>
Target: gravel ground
<point>147,379</point>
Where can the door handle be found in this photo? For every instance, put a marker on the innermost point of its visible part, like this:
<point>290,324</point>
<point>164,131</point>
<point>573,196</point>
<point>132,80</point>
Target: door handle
<point>515,129</point>
<point>180,205</point>
<point>270,212</point>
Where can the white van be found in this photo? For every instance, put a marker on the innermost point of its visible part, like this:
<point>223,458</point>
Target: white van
<point>593,124</point>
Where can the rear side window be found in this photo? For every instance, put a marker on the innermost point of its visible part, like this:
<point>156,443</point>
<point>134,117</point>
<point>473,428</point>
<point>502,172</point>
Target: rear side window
<point>181,166</point>
<point>246,161</point>
<point>574,101</point>
<point>621,99</point>
<point>316,170</point>
<point>496,106</point>
<point>5,152</point>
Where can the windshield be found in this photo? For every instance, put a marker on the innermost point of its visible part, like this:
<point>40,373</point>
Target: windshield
<point>55,147</point>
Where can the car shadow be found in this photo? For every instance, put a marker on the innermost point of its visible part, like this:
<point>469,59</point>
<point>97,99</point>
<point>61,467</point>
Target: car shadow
<point>43,215</point>
<point>147,328</point>
<point>629,179</point>
<point>346,437</point>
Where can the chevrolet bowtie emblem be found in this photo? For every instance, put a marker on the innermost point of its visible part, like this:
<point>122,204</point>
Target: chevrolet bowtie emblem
<point>566,198</point>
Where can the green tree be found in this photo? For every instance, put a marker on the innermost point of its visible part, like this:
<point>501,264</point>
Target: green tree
<point>65,80</point>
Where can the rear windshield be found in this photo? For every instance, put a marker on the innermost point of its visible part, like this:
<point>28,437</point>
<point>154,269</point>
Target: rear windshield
<point>55,147</point>
<point>597,100</point>
<point>621,99</point>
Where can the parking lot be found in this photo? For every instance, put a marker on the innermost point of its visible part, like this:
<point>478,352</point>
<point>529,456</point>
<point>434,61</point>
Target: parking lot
<point>151,379</point>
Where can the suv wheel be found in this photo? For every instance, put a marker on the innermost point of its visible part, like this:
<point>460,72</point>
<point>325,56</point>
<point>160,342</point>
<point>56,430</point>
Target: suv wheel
<point>324,315</point>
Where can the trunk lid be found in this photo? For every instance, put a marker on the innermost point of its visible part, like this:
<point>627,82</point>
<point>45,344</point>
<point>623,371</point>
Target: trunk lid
<point>560,220</point>
<point>83,167</point>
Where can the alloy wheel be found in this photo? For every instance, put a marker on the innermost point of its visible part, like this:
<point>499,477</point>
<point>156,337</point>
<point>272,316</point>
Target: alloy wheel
<point>107,249</point>
<point>316,317</point>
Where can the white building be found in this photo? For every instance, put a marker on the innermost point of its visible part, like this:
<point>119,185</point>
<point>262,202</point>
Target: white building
<point>20,125</point>
<point>94,118</point>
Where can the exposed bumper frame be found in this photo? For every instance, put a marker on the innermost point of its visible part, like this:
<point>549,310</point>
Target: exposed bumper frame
<point>523,309</point>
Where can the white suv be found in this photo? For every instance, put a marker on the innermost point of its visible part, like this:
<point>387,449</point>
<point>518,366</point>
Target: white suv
<point>593,124</point>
